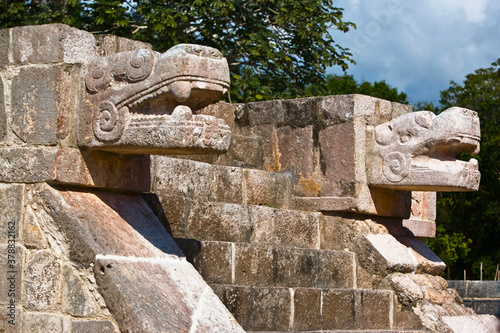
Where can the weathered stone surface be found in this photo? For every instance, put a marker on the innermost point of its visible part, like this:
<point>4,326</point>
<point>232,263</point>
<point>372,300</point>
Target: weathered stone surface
<point>126,283</point>
<point>11,320</point>
<point>388,254</point>
<point>307,309</point>
<point>154,114</point>
<point>427,261</point>
<point>3,114</point>
<point>477,289</point>
<point>406,289</point>
<point>212,221</point>
<point>42,104</point>
<point>267,188</point>
<point>11,206</point>
<point>295,147</point>
<point>245,151</point>
<point>175,210</point>
<point>42,281</point>
<point>45,322</point>
<point>338,153</point>
<point>110,44</point>
<point>12,263</point>
<point>182,178</point>
<point>296,267</point>
<point>270,309</point>
<point>305,226</point>
<point>6,47</point>
<point>33,235</point>
<point>253,265</point>
<point>420,228</point>
<point>337,269</point>
<point>357,309</point>
<point>52,43</point>
<point>76,298</point>
<point>227,184</point>
<point>418,151</point>
<point>130,228</point>
<point>92,326</point>
<point>238,300</point>
<point>102,169</point>
<point>27,165</point>
<point>476,324</point>
<point>214,262</point>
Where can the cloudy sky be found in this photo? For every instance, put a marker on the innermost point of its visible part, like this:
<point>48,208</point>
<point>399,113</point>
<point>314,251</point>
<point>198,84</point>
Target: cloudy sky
<point>420,46</point>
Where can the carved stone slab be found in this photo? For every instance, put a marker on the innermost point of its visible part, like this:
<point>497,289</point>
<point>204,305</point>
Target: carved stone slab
<point>142,101</point>
<point>417,151</point>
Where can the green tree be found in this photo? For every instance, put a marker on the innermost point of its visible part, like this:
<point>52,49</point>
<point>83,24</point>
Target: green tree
<point>476,215</point>
<point>346,84</point>
<point>275,48</point>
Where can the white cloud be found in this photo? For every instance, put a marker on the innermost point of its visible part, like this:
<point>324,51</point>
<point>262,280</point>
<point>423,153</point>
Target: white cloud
<point>419,47</point>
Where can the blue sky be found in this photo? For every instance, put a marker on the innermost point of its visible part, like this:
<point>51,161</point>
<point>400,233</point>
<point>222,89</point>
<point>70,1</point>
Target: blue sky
<point>420,46</point>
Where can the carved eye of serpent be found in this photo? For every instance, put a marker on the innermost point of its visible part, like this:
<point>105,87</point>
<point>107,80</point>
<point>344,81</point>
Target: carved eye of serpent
<point>99,75</point>
<point>396,166</point>
<point>141,65</point>
<point>108,122</point>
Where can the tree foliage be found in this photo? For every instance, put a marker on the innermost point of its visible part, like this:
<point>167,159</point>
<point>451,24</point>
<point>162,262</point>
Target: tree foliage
<point>476,215</point>
<point>346,84</point>
<point>275,48</point>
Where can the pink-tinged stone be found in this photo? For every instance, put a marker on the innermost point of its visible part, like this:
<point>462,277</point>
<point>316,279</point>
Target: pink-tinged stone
<point>295,146</point>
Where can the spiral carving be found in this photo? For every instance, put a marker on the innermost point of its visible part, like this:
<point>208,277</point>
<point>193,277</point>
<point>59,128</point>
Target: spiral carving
<point>108,122</point>
<point>396,167</point>
<point>99,76</point>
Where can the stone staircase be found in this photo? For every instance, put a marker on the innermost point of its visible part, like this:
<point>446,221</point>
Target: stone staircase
<point>273,267</point>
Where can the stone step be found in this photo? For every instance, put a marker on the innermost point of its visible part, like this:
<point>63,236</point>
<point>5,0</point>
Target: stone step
<point>343,331</point>
<point>307,309</point>
<point>263,265</point>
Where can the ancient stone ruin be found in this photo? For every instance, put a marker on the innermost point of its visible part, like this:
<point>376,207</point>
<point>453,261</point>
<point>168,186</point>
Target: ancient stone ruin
<point>133,200</point>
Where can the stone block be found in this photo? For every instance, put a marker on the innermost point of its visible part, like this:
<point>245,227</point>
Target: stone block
<point>182,178</point>
<point>27,165</point>
<point>92,326</point>
<point>110,44</point>
<point>295,146</point>
<point>485,306</point>
<point>337,269</point>
<point>263,188</point>
<point>261,113</point>
<point>484,289</point>
<point>296,228</point>
<point>420,228</point>
<point>5,47</point>
<point>131,229</point>
<point>374,309</point>
<point>270,310</point>
<point>296,267</point>
<point>214,221</point>
<point>423,205</point>
<point>103,169</point>
<point>338,309</point>
<point>43,102</point>
<point>338,151</point>
<point>45,322</point>
<point>42,281</point>
<point>307,309</point>
<point>175,209</point>
<point>427,261</point>
<point>336,109</point>
<point>3,114</point>
<point>11,320</point>
<point>52,43</point>
<point>214,262</point>
<point>12,263</point>
<point>11,206</point>
<point>176,296</point>
<point>476,324</point>
<point>388,255</point>
<point>301,112</point>
<point>245,151</point>
<point>32,234</point>
<point>253,265</point>
<point>227,184</point>
<point>238,300</point>
<point>77,300</point>
<point>264,227</point>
